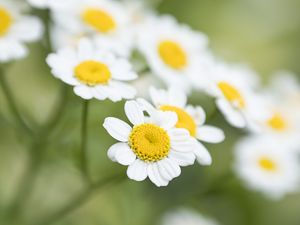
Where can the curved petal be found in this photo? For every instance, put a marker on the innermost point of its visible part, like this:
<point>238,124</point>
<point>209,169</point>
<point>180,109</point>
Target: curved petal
<point>202,155</point>
<point>197,113</point>
<point>182,158</point>
<point>155,176</point>
<point>179,134</point>
<point>177,97</point>
<point>83,92</point>
<point>134,113</point>
<point>111,153</point>
<point>137,170</point>
<point>117,128</point>
<point>210,134</point>
<point>169,169</point>
<point>125,155</point>
<point>166,120</point>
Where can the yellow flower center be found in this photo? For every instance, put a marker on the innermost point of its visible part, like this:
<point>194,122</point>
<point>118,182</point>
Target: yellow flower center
<point>92,73</point>
<point>149,142</point>
<point>99,19</point>
<point>232,94</point>
<point>267,164</point>
<point>5,21</point>
<point>172,54</point>
<point>184,119</point>
<point>277,122</point>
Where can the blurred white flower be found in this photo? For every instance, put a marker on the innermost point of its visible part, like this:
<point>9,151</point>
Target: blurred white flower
<point>190,118</point>
<point>153,147</point>
<point>186,217</point>
<point>94,73</point>
<point>174,52</point>
<point>266,165</point>
<point>236,97</point>
<point>16,29</point>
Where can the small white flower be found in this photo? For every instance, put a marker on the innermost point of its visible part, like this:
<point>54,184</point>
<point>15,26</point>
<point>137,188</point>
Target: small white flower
<point>266,165</point>
<point>190,118</point>
<point>174,52</point>
<point>153,147</point>
<point>93,73</point>
<point>107,20</point>
<point>235,97</point>
<point>186,217</point>
<point>16,29</point>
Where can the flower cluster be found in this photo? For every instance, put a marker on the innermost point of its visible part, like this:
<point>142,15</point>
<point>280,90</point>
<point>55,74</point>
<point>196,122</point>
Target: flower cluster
<point>99,49</point>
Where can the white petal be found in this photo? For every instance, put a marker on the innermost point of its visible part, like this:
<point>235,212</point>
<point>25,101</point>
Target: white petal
<point>111,153</point>
<point>166,120</point>
<point>85,49</point>
<point>125,155</point>
<point>155,176</point>
<point>134,113</point>
<point>177,97</point>
<point>169,169</point>
<point>123,90</point>
<point>27,29</point>
<point>137,170</point>
<point>178,134</point>
<point>202,155</point>
<point>210,134</point>
<point>234,117</point>
<point>83,92</point>
<point>186,145</point>
<point>182,158</point>
<point>118,129</point>
<point>197,113</point>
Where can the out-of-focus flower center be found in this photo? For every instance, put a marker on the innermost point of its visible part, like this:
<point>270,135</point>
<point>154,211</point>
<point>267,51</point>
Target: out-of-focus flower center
<point>172,54</point>
<point>267,164</point>
<point>5,21</point>
<point>277,122</point>
<point>149,142</point>
<point>184,119</point>
<point>92,73</point>
<point>99,19</point>
<point>232,94</point>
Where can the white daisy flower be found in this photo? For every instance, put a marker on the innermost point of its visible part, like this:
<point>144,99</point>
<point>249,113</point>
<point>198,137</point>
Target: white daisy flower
<point>185,216</point>
<point>236,99</point>
<point>16,29</point>
<point>174,52</point>
<point>93,73</point>
<point>153,147</point>
<point>190,118</point>
<point>265,165</point>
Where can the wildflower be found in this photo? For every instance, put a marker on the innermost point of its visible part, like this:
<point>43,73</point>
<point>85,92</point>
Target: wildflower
<point>153,147</point>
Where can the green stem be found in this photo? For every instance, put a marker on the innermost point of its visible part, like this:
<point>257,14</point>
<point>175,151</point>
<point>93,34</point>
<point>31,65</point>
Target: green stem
<point>83,149</point>
<point>78,201</point>
<point>12,104</point>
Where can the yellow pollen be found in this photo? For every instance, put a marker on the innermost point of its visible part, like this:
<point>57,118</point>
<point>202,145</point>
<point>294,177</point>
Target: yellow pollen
<point>184,119</point>
<point>232,94</point>
<point>99,19</point>
<point>92,73</point>
<point>267,164</point>
<point>277,122</point>
<point>172,54</point>
<point>149,142</point>
<point>5,21</point>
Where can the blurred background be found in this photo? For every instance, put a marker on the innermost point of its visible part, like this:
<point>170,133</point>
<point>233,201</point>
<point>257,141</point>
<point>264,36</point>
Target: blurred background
<point>264,34</point>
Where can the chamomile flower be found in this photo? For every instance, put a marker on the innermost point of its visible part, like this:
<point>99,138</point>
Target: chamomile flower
<point>266,165</point>
<point>153,147</point>
<point>93,73</point>
<point>16,29</point>
<point>190,118</point>
<point>236,99</point>
<point>185,216</point>
<point>174,52</point>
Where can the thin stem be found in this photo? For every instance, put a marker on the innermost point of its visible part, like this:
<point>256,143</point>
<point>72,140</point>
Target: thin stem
<point>83,149</point>
<point>12,104</point>
<point>78,201</point>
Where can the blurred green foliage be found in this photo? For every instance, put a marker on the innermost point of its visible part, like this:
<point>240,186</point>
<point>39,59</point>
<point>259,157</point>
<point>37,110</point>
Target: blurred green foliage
<point>262,33</point>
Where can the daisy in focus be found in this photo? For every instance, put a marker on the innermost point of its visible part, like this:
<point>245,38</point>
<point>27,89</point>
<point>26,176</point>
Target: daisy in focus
<point>174,52</point>
<point>93,73</point>
<point>266,165</point>
<point>186,217</point>
<point>236,99</point>
<point>190,118</point>
<point>153,147</point>
<point>16,29</point>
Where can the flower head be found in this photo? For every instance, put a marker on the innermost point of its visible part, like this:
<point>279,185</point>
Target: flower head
<point>153,147</point>
<point>94,73</point>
